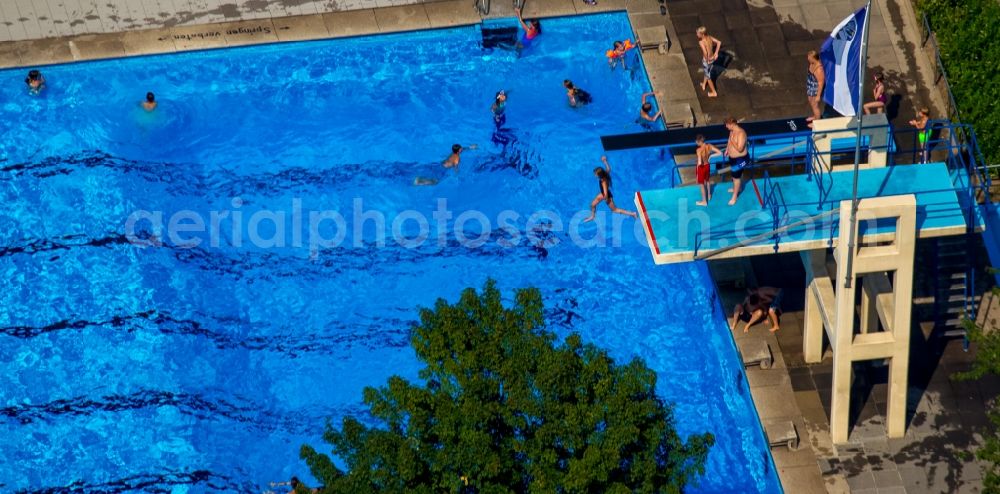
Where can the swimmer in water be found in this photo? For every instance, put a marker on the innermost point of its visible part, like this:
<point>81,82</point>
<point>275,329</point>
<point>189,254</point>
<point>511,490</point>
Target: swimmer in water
<point>35,81</point>
<point>150,103</point>
<point>646,115</point>
<point>604,178</point>
<point>452,161</point>
<point>577,97</point>
<point>499,109</point>
<point>532,28</point>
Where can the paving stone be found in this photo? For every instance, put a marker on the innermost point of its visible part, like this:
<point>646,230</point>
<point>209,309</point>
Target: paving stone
<point>148,42</point>
<point>298,28</point>
<point>351,23</point>
<point>451,13</point>
<point>402,18</point>
<point>548,8</point>
<point>861,480</point>
<point>9,55</point>
<point>198,37</point>
<point>887,478</point>
<point>97,46</point>
<point>250,32</point>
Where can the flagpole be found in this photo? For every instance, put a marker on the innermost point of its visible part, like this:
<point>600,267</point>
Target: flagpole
<point>857,147</point>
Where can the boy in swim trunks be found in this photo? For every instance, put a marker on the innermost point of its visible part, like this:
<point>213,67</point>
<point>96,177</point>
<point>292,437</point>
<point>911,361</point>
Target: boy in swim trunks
<point>703,169</point>
<point>709,54</point>
<point>736,152</point>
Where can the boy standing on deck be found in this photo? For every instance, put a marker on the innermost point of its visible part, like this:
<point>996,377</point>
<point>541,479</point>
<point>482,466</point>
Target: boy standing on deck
<point>710,47</point>
<point>705,152</point>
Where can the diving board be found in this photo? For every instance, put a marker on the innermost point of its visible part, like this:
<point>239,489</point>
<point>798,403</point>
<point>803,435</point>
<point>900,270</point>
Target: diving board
<point>677,229</point>
<point>711,132</point>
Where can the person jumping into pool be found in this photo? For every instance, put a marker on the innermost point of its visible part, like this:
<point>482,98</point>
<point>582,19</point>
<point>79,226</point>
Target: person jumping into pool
<point>618,54</point>
<point>761,303</point>
<point>35,81</point>
<point>604,178</point>
<point>150,103</point>
<point>532,28</point>
<point>736,152</point>
<point>646,115</point>
<point>577,97</point>
<point>923,133</point>
<point>499,109</point>
<point>703,169</point>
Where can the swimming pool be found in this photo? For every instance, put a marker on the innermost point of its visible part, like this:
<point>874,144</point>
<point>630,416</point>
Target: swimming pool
<point>179,369</point>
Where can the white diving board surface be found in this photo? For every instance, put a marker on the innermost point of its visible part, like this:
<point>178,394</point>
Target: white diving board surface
<point>678,230</point>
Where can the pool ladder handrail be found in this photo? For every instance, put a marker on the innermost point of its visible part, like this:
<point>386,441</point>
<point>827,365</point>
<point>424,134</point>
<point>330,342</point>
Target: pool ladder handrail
<point>482,6</point>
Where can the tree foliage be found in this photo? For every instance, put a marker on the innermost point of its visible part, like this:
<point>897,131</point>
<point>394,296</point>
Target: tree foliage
<point>968,35</point>
<point>987,362</point>
<point>505,408</point>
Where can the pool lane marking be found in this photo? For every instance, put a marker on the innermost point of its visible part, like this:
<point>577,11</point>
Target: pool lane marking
<point>649,226</point>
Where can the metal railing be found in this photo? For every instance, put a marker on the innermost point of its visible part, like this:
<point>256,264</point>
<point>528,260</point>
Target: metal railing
<point>927,35</point>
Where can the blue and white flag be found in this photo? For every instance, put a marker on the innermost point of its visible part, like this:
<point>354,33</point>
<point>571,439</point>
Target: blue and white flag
<point>841,57</point>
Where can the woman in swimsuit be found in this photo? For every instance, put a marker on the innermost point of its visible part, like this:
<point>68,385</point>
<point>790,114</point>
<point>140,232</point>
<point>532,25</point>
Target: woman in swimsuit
<point>923,133</point>
<point>880,97</point>
<point>815,81</point>
<point>604,178</point>
<point>499,109</point>
<point>532,29</point>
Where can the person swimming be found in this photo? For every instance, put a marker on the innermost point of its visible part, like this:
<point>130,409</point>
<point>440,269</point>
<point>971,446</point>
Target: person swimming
<point>576,95</point>
<point>499,109</point>
<point>646,115</point>
<point>150,103</point>
<point>451,161</point>
<point>35,81</point>
<point>618,53</point>
<point>604,183</point>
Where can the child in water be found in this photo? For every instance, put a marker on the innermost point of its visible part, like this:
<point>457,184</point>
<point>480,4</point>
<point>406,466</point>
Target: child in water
<point>604,182</point>
<point>577,96</point>
<point>150,103</point>
<point>499,109</point>
<point>451,162</point>
<point>532,29</point>
<point>35,81</point>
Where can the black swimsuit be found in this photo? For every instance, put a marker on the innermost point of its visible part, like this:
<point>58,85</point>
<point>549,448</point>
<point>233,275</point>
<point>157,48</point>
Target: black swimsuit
<point>600,185</point>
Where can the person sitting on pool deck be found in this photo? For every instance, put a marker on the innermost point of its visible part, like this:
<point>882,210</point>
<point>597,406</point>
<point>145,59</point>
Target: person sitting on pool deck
<point>703,169</point>
<point>764,302</point>
<point>736,152</point>
<point>35,81</point>
<point>645,116</point>
<point>150,103</point>
<point>604,178</point>
<point>532,29</point>
<point>577,97</point>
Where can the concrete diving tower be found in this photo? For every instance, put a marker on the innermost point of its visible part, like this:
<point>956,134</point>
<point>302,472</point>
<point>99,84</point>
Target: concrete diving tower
<point>810,214</point>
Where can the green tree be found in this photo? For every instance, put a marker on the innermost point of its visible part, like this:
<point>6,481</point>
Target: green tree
<point>987,362</point>
<point>968,34</point>
<point>505,408</point>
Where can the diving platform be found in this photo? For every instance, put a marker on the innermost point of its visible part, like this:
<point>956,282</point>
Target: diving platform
<point>678,230</point>
<point>871,259</point>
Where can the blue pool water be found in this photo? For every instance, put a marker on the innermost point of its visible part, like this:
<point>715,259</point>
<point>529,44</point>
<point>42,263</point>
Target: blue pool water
<point>177,369</point>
